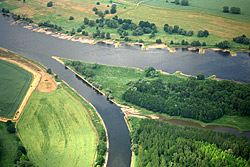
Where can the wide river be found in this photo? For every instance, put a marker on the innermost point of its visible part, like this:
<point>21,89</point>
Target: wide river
<point>41,47</point>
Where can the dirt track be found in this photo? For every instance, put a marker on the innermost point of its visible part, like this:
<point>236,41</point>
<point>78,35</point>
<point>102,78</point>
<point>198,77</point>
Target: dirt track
<point>41,80</point>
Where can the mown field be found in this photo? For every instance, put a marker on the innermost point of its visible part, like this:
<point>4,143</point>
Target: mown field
<point>56,130</point>
<point>14,83</point>
<point>200,15</point>
<point>8,146</point>
<point>115,78</point>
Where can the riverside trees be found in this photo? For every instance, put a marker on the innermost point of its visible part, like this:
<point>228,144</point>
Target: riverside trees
<point>204,100</point>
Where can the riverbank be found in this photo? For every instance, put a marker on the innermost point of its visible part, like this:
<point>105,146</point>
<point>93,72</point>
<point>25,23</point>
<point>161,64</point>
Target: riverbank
<point>118,86</point>
<point>46,85</point>
<point>85,39</point>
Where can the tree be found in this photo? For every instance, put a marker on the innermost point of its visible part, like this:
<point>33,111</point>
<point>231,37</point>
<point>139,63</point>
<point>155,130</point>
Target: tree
<point>91,23</point>
<point>102,35</point>
<point>235,10</point>
<point>226,9</point>
<point>50,4</point>
<point>106,12</point>
<point>97,3</point>
<point>172,42</point>
<point>79,30</point>
<point>113,9</point>
<point>9,122</point>
<point>86,21</point>
<point>95,9</point>
<point>184,3</point>
<point>108,35</point>
<point>200,77</point>
<point>71,18</point>
<point>177,2</point>
<point>165,27</point>
<point>224,45</point>
<point>49,71</point>
<point>158,41</point>
<point>11,128</point>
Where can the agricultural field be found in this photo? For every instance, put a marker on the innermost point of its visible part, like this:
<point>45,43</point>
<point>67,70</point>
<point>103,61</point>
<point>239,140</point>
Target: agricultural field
<point>14,83</point>
<point>199,15</point>
<point>113,81</point>
<point>56,130</point>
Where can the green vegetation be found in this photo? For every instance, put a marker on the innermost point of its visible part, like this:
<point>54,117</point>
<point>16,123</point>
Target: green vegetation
<point>14,83</point>
<point>192,16</point>
<point>11,149</point>
<point>56,130</point>
<point>8,146</point>
<point>114,81</point>
<point>156,143</point>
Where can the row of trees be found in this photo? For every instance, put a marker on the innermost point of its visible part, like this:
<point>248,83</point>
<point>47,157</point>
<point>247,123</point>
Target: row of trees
<point>77,65</point>
<point>176,29</point>
<point>204,100</point>
<point>157,143</point>
<point>50,25</point>
<point>17,17</point>
<point>183,2</point>
<point>233,10</point>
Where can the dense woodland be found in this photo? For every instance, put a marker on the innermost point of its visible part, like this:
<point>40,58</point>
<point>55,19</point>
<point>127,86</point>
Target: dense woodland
<point>200,99</point>
<point>157,143</point>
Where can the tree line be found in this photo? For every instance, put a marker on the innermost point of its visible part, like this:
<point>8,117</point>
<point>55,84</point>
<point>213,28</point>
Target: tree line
<point>204,100</point>
<point>158,144</point>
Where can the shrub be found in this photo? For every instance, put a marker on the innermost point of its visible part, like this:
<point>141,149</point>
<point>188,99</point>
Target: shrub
<point>71,18</point>
<point>158,41</point>
<point>50,4</point>
<point>11,128</point>
<point>223,45</point>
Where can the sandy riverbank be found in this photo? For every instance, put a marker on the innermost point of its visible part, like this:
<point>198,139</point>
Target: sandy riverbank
<point>41,80</point>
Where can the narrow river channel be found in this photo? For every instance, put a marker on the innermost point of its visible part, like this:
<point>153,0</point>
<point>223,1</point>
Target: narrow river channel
<point>41,47</point>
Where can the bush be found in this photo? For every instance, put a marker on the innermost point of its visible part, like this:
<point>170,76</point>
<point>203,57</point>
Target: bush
<point>235,10</point>
<point>97,3</point>
<point>9,122</point>
<point>11,128</point>
<point>223,45</point>
<point>226,9</point>
<point>50,4</point>
<point>184,3</point>
<point>200,77</point>
<point>158,41</point>
<point>71,18</point>
<point>49,71</point>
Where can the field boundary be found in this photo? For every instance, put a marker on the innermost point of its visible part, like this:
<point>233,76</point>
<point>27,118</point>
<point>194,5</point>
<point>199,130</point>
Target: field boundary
<point>38,73</point>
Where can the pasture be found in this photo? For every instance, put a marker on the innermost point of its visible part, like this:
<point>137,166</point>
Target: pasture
<point>56,130</point>
<point>14,83</point>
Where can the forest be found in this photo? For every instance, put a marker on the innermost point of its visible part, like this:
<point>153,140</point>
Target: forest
<point>156,143</point>
<point>196,98</point>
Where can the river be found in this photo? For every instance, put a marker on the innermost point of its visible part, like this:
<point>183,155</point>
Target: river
<point>41,47</point>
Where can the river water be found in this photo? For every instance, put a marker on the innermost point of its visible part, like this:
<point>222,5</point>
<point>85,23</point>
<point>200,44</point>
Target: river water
<point>41,47</point>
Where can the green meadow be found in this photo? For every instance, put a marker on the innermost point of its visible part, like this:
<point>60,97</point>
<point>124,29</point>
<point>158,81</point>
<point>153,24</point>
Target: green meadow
<point>56,130</point>
<point>115,78</point>
<point>14,83</point>
<point>200,15</point>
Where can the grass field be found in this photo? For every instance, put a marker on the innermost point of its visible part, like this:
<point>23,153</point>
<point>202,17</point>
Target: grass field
<point>8,146</point>
<point>14,83</point>
<point>56,130</point>
<point>200,15</point>
<point>116,78</point>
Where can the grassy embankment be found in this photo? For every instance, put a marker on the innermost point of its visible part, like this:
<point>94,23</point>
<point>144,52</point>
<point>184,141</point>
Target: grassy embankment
<point>116,78</point>
<point>55,127</point>
<point>200,15</point>
<point>56,130</point>
<point>8,146</point>
<point>14,83</point>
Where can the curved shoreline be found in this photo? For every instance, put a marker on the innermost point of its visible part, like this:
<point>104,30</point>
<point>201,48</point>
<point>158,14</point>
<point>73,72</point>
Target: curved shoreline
<point>88,40</point>
<point>131,111</point>
<point>107,153</point>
